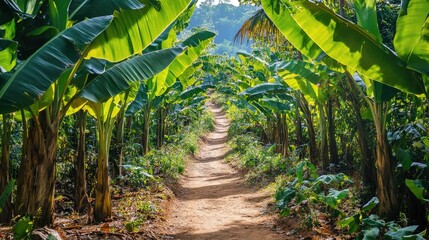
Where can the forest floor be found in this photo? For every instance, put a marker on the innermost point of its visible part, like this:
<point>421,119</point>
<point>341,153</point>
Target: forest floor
<point>213,200</point>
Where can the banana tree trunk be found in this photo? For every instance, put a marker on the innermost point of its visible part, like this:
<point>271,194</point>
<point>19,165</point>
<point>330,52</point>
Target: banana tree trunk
<point>103,206</point>
<point>116,153</point>
<point>6,213</point>
<point>298,121</point>
<point>310,128</point>
<point>146,126</point>
<point>160,127</point>
<point>386,188</point>
<point>36,181</point>
<point>323,137</point>
<point>81,196</point>
<point>333,149</point>
<point>282,135</point>
<point>367,162</point>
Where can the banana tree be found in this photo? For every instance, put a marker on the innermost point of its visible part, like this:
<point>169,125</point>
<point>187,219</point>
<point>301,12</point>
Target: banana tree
<point>105,102</point>
<point>360,51</point>
<point>60,58</point>
<point>312,82</point>
<point>159,84</point>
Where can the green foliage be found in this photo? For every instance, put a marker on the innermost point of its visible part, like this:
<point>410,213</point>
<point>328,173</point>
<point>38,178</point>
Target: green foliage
<point>23,228</point>
<point>169,161</point>
<point>6,194</point>
<point>303,190</point>
<point>369,226</point>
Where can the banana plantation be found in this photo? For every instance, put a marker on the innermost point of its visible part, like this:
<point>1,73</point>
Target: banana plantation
<point>118,122</point>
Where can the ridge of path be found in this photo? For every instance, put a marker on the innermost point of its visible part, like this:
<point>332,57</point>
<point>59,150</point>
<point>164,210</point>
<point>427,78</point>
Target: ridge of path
<point>212,200</point>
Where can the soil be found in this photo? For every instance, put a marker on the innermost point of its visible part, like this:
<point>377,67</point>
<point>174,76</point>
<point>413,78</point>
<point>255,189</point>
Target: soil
<point>213,200</point>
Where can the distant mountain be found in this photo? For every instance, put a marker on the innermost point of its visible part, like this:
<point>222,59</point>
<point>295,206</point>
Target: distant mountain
<point>224,19</point>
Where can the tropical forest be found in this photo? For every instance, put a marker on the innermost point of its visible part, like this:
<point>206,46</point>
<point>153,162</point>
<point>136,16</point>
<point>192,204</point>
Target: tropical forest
<point>214,119</point>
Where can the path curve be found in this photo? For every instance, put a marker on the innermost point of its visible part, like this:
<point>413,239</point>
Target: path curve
<point>212,199</point>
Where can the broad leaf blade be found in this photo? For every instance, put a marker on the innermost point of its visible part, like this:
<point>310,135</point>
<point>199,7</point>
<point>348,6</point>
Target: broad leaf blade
<point>354,47</point>
<point>43,68</point>
<point>412,34</point>
<point>81,9</point>
<point>7,54</point>
<point>133,30</point>
<point>119,77</point>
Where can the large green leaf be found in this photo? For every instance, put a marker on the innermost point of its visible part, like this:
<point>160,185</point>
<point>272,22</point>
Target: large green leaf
<point>195,47</point>
<point>141,100</point>
<point>133,30</point>
<point>119,77</point>
<point>40,70</point>
<point>354,47</point>
<point>417,188</point>
<point>257,65</point>
<point>188,93</point>
<point>81,9</point>
<point>6,194</point>
<point>280,14</point>
<point>187,78</point>
<point>265,88</point>
<point>281,17</point>
<point>366,14</point>
<point>7,54</point>
<point>302,76</point>
<point>412,34</point>
<point>58,13</point>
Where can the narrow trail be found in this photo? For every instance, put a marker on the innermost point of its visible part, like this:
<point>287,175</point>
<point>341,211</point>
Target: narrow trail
<point>213,201</point>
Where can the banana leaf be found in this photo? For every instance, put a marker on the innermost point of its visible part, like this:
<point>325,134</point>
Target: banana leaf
<point>412,35</point>
<point>195,46</point>
<point>354,47</point>
<point>118,78</point>
<point>133,30</point>
<point>7,55</point>
<point>81,9</point>
<point>32,78</point>
<point>188,93</point>
<point>280,14</point>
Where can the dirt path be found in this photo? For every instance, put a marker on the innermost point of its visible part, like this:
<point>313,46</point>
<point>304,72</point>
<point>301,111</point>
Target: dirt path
<point>213,201</point>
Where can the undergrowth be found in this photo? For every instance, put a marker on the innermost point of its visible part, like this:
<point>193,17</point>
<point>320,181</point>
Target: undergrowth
<point>317,200</point>
<point>168,162</point>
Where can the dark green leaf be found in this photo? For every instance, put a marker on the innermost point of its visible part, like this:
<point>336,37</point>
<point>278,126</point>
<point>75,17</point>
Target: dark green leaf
<point>370,204</point>
<point>6,194</point>
<point>37,73</point>
<point>119,77</point>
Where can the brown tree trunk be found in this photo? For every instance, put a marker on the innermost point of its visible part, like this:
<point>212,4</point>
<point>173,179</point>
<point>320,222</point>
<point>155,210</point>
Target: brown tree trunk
<point>282,129</point>
<point>6,213</point>
<point>386,188</point>
<point>103,206</point>
<point>145,134</point>
<point>298,122</point>
<point>333,149</point>
<point>81,196</point>
<point>160,127</point>
<point>367,163</point>
<point>36,181</point>
<point>323,138</point>
<point>310,128</point>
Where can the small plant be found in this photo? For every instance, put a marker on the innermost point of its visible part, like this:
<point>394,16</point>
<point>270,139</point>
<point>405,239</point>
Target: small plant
<point>133,225</point>
<point>23,228</point>
<point>303,191</point>
<point>372,227</point>
<point>147,209</point>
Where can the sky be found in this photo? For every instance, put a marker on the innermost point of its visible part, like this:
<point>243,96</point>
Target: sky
<point>233,2</point>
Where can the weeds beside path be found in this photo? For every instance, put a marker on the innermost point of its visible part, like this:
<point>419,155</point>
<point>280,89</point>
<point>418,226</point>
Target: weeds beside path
<point>213,201</point>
